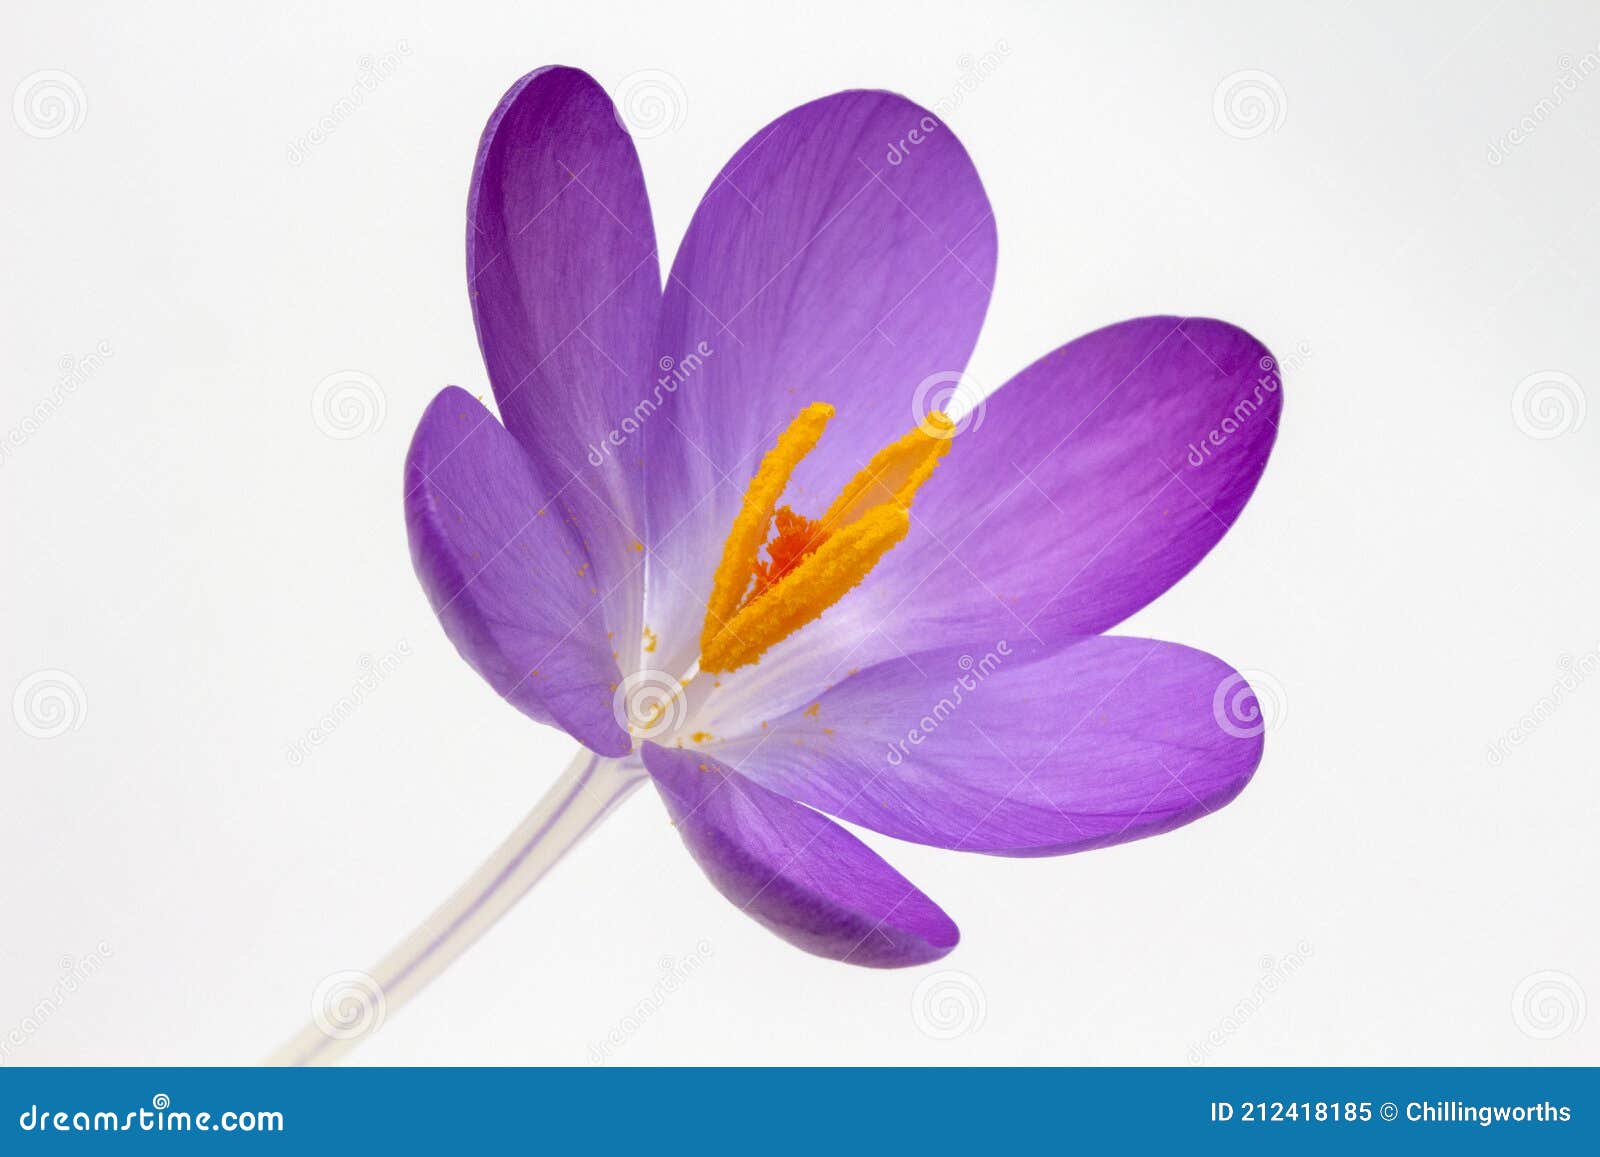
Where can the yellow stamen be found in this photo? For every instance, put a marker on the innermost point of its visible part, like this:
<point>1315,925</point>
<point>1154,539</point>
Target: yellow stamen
<point>813,563</point>
<point>895,473</point>
<point>750,524</point>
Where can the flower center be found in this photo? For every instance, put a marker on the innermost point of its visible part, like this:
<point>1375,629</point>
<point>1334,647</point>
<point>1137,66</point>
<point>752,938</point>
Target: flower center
<point>811,563</point>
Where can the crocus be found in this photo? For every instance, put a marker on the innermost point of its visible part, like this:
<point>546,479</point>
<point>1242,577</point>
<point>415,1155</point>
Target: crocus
<point>728,534</point>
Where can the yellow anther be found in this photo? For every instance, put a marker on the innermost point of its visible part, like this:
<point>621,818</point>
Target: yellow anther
<point>895,473</point>
<point>750,524</point>
<point>813,564</point>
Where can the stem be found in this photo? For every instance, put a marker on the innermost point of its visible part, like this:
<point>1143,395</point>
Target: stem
<point>585,794</point>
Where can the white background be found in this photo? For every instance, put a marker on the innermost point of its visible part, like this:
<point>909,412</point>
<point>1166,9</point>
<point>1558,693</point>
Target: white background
<point>184,539</point>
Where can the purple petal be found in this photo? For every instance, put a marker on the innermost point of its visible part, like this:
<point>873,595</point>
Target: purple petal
<point>1099,476</point>
<point>797,872</point>
<point>1087,486</point>
<point>1017,749</point>
<point>565,288</point>
<point>820,266</point>
<point>513,586</point>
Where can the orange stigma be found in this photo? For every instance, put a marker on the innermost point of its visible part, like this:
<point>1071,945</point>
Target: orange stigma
<point>811,563</point>
<point>797,537</point>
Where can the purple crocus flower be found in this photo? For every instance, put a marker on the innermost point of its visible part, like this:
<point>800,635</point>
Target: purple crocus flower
<point>918,648</point>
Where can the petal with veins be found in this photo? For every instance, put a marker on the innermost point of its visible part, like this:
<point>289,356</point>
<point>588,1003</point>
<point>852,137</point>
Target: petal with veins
<point>794,870</point>
<point>1015,748</point>
<point>506,573</point>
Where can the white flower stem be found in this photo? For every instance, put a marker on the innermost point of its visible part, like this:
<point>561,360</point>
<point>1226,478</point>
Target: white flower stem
<point>590,788</point>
